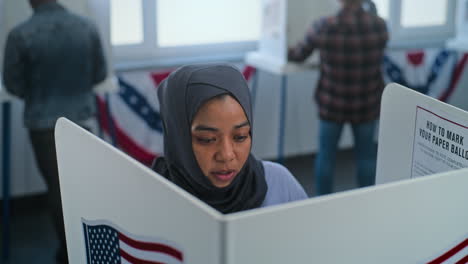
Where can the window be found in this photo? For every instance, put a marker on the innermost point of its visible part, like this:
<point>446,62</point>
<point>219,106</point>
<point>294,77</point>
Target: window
<point>127,22</point>
<point>206,22</point>
<point>435,13</point>
<point>383,8</point>
<point>419,21</point>
<point>159,30</point>
<point>167,29</point>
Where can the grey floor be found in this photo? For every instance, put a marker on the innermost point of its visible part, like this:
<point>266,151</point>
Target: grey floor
<point>33,239</point>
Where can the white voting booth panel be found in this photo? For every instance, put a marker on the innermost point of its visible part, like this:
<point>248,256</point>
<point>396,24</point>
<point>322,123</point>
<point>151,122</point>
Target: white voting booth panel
<point>412,221</point>
<point>284,23</point>
<point>419,135</point>
<point>100,183</point>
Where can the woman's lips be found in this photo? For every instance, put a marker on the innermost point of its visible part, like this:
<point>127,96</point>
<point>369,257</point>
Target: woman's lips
<point>225,175</point>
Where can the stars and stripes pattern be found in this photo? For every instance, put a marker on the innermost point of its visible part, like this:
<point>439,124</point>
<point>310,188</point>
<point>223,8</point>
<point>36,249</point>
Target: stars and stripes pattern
<point>130,118</point>
<point>434,72</point>
<point>139,105</point>
<point>107,244</point>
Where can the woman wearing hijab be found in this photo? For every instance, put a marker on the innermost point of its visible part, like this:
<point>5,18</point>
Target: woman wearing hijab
<point>207,118</point>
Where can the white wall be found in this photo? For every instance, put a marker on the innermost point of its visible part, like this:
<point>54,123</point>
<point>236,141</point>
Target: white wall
<point>300,133</point>
<point>301,115</point>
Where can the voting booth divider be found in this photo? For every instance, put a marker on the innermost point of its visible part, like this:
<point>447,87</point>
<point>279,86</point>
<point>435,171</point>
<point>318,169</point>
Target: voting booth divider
<point>419,135</point>
<point>284,23</point>
<point>116,209</point>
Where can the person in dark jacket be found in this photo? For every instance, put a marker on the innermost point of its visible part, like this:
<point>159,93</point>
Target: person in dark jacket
<point>52,61</point>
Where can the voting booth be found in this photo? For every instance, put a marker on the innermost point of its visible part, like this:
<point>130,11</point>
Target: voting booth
<point>116,209</point>
<point>419,135</point>
<point>284,23</point>
<point>460,41</point>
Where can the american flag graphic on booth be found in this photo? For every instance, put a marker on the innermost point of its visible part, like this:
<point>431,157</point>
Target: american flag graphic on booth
<point>456,255</point>
<point>106,243</point>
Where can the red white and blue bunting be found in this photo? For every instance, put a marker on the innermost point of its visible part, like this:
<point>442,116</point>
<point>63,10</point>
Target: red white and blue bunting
<point>434,72</point>
<point>130,118</point>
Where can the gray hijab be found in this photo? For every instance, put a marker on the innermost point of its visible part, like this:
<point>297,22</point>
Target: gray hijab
<point>180,96</point>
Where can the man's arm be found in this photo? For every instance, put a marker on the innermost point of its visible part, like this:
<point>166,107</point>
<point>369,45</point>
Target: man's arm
<point>304,49</point>
<point>14,66</point>
<point>98,60</point>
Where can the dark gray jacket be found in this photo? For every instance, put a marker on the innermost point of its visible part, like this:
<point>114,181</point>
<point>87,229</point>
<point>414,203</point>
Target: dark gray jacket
<point>52,61</point>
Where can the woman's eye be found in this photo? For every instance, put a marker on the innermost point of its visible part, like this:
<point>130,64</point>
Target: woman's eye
<point>205,140</point>
<point>240,138</point>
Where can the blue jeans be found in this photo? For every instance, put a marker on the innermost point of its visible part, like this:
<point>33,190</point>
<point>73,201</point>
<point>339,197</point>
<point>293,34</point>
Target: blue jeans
<point>365,152</point>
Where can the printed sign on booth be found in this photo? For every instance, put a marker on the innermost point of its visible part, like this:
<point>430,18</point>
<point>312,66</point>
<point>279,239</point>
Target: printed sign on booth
<point>440,143</point>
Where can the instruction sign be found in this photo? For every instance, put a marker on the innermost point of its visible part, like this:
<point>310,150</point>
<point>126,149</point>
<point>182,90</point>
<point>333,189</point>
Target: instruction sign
<point>440,143</point>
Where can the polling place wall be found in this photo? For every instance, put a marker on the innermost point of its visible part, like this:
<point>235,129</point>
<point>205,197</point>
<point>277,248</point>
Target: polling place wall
<point>301,124</point>
<point>300,133</point>
<point>283,24</point>
<point>301,115</point>
<point>411,221</point>
<point>419,136</point>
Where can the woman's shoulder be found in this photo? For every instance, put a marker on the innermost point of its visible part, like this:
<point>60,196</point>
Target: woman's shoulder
<point>282,185</point>
<point>275,169</point>
<point>277,174</point>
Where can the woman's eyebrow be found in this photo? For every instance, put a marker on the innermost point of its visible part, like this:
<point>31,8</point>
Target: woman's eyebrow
<point>213,129</point>
<point>243,124</point>
<point>205,128</point>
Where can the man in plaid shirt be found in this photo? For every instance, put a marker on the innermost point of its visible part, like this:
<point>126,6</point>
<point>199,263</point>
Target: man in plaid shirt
<point>351,45</point>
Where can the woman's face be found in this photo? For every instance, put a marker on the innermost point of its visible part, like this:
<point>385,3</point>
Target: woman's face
<point>221,139</point>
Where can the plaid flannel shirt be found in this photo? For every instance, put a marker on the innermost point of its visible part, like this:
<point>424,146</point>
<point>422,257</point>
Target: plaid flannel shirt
<point>351,46</point>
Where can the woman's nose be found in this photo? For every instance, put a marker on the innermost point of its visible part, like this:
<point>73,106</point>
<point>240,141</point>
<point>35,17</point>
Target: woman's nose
<point>226,152</point>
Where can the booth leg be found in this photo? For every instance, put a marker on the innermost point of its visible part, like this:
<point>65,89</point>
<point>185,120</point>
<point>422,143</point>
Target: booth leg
<point>110,121</point>
<point>6,111</point>
<point>282,118</point>
<point>253,91</point>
